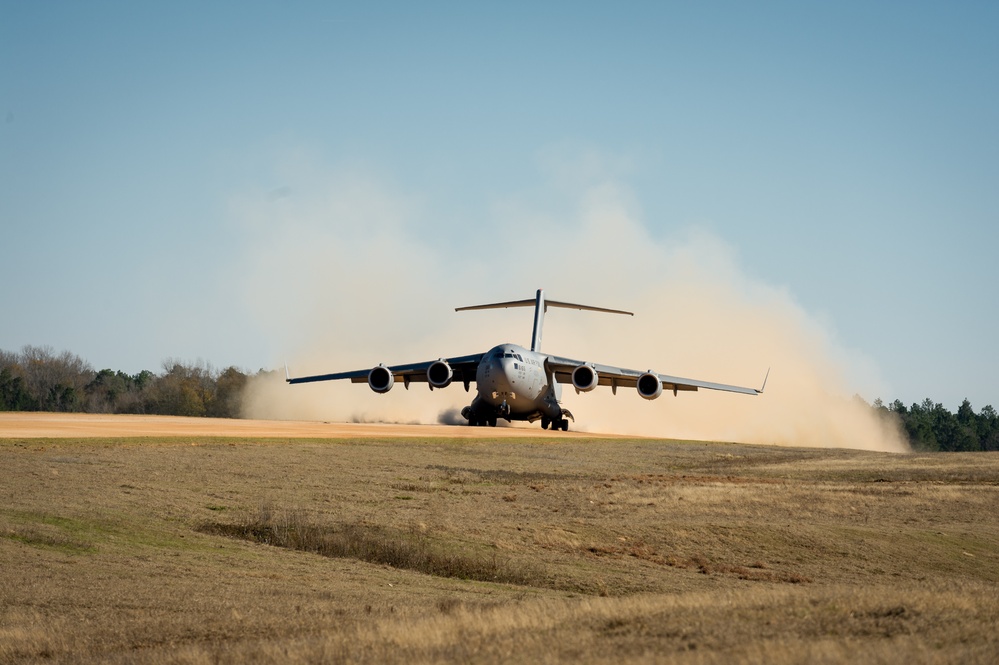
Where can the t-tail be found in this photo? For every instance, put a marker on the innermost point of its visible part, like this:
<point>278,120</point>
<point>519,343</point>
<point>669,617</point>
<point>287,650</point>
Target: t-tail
<point>540,307</point>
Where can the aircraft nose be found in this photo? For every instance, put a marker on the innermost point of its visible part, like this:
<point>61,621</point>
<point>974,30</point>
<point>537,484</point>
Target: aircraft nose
<point>502,368</point>
<point>502,381</point>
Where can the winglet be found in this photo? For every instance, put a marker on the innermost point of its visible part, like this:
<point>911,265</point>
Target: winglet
<point>287,376</point>
<point>760,391</point>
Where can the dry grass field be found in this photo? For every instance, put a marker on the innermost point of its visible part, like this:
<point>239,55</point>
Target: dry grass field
<point>514,546</point>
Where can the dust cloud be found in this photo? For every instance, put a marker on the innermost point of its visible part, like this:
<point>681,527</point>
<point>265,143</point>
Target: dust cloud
<point>357,275</point>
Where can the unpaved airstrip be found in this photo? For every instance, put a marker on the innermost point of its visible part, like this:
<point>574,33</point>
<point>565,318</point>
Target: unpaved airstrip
<point>130,539</point>
<point>86,425</point>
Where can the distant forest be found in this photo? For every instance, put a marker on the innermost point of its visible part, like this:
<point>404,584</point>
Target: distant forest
<point>929,426</point>
<point>36,379</point>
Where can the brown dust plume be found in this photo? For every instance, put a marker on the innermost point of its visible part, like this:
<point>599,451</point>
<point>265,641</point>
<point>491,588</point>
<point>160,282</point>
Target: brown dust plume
<point>353,277</point>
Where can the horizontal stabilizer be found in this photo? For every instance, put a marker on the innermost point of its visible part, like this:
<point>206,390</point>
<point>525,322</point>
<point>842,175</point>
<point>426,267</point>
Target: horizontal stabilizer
<point>498,305</point>
<point>547,303</point>
<point>589,308</point>
<point>540,307</point>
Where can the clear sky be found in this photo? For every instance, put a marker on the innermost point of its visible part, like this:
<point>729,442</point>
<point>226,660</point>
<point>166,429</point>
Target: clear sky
<point>846,154</point>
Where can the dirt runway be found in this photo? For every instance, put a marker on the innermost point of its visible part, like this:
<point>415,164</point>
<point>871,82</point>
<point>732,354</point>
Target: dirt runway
<point>85,425</point>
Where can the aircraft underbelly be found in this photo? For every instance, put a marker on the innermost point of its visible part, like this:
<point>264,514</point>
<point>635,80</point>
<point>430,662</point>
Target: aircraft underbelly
<point>516,398</point>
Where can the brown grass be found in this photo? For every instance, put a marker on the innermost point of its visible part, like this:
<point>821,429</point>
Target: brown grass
<point>413,550</point>
<point>430,550</point>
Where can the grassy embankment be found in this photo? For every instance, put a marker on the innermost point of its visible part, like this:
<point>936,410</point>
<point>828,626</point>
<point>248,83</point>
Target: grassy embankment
<point>194,550</point>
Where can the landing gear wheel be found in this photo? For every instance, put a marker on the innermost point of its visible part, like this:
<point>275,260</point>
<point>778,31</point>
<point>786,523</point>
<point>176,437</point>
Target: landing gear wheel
<point>565,425</point>
<point>545,422</point>
<point>492,422</point>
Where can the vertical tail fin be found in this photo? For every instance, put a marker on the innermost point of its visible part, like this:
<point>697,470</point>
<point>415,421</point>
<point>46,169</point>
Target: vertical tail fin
<point>539,319</point>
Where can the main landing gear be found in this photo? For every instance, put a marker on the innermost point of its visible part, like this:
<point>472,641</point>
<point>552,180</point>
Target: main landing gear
<point>476,419</point>
<point>561,424</point>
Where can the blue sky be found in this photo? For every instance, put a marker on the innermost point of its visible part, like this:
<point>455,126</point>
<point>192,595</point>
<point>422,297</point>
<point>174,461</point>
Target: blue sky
<point>845,153</point>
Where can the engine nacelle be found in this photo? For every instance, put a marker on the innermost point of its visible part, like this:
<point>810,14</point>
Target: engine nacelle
<point>381,379</point>
<point>585,378</point>
<point>439,374</point>
<point>649,386</point>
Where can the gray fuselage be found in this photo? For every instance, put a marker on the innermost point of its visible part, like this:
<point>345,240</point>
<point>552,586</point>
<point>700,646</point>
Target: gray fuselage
<point>512,383</point>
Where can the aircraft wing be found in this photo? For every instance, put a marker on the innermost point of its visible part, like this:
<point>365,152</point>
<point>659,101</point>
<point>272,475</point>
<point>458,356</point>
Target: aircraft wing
<point>616,377</point>
<point>464,368</point>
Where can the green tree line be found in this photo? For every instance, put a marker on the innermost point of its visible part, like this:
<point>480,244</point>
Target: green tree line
<point>930,427</point>
<point>37,379</point>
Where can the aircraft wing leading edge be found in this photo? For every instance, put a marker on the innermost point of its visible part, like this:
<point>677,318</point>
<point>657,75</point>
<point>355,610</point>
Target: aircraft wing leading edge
<point>463,367</point>
<point>619,377</point>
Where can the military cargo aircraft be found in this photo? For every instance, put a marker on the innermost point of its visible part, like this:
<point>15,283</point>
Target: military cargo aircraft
<point>515,383</point>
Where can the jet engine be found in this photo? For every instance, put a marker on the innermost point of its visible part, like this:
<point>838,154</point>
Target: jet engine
<point>585,378</point>
<point>649,386</point>
<point>439,374</point>
<point>380,379</point>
